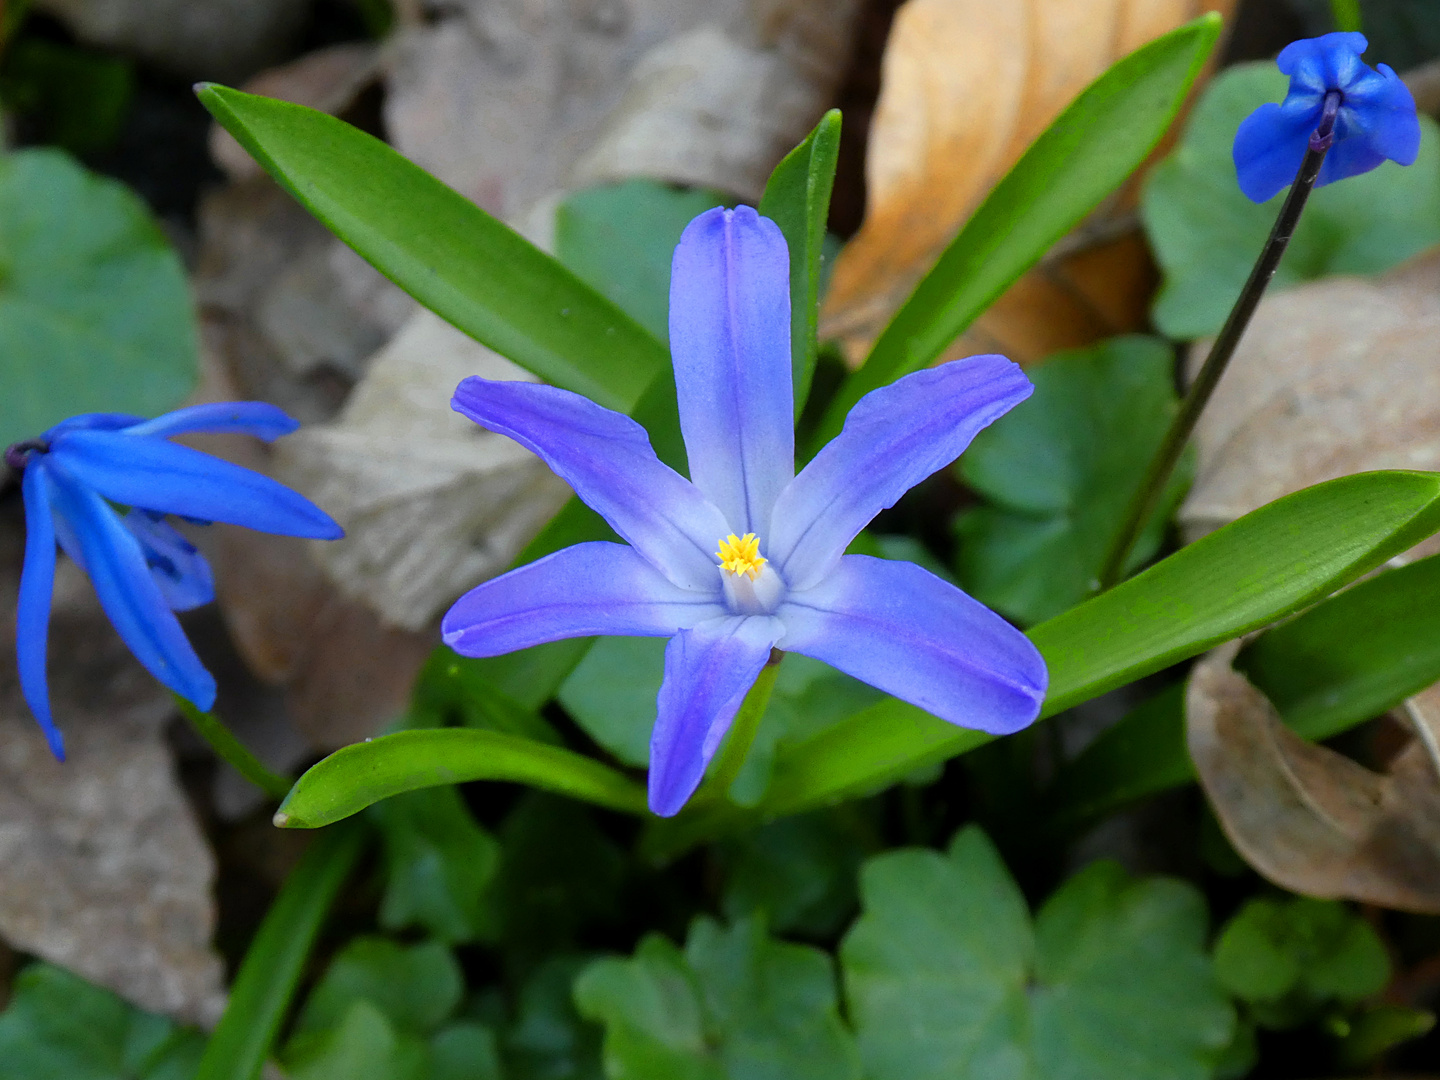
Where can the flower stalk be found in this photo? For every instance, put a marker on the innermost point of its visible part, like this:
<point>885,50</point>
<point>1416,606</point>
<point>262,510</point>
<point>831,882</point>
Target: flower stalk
<point>231,750</point>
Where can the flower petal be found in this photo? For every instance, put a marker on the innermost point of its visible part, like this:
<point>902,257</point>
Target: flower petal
<point>607,458</point>
<point>1269,146</point>
<point>893,438</point>
<point>594,588</point>
<point>37,585</point>
<point>163,476</point>
<point>902,629</point>
<point>137,609</point>
<point>179,569</point>
<point>730,342</point>
<point>708,671</point>
<point>92,421</point>
<point>257,418</point>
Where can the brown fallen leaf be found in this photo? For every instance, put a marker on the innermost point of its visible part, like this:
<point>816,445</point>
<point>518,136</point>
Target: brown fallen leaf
<point>967,85</point>
<point>103,868</point>
<point>1307,818</point>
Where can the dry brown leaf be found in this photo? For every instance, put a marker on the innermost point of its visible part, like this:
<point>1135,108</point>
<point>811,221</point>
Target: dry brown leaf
<point>1307,818</point>
<point>103,869</point>
<point>967,85</point>
<point>1333,377</point>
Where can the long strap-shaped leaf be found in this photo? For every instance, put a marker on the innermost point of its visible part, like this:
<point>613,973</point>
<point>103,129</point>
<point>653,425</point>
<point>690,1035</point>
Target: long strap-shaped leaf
<point>1098,141</point>
<point>442,249</point>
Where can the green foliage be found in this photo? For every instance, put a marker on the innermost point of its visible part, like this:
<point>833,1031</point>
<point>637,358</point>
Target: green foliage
<point>95,312</point>
<point>439,865</point>
<point>735,1005</point>
<point>1058,474</point>
<point>416,986</point>
<point>499,693</point>
<point>79,99</point>
<point>798,874</point>
<point>549,1040</point>
<point>1287,959</point>
<point>1085,154</point>
<point>947,976</point>
<point>59,1027</point>
<point>1206,234</point>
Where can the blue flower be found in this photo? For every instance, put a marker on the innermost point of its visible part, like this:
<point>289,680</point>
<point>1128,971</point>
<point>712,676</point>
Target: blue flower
<point>143,570</point>
<point>745,556</point>
<point>1376,118</point>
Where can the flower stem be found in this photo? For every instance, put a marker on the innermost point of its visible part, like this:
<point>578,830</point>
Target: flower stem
<point>1147,496</point>
<point>231,750</point>
<point>745,725</point>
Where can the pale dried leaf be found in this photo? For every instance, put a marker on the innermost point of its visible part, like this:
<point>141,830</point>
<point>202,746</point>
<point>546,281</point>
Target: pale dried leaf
<point>1307,818</point>
<point>967,85</point>
<point>103,868</point>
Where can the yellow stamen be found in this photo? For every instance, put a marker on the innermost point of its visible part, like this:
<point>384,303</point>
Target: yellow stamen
<point>741,555</point>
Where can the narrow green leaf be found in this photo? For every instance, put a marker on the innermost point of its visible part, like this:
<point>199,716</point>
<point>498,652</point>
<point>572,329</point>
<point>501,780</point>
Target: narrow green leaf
<point>1085,154</point>
<point>265,985</point>
<point>457,260</point>
<point>797,198</point>
<point>356,776</point>
<point>1266,565</point>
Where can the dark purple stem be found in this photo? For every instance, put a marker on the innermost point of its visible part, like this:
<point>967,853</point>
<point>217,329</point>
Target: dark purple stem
<point>17,455</point>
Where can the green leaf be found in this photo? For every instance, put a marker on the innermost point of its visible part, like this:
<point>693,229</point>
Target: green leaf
<point>947,978</point>
<point>1090,148</point>
<point>1379,1028</point>
<point>465,1051</point>
<point>261,994</point>
<point>1059,473</point>
<point>797,198</point>
<point>500,693</point>
<point>549,1040</point>
<point>621,238</point>
<point>798,874</point>
<point>59,1027</point>
<point>95,312</point>
<point>470,269</point>
<point>439,865</point>
<point>1206,234</point>
<point>416,987</point>
<point>1268,564</point>
<point>356,776</point>
<point>736,1005</point>
<point>611,694</point>
<point>79,98</point>
<point>364,1045</point>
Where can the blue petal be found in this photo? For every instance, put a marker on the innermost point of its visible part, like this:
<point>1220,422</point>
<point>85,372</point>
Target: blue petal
<point>1269,146</point>
<point>580,591</point>
<point>1379,116</point>
<point>137,609</point>
<point>606,457</point>
<point>708,671</point>
<point>902,629</point>
<point>893,438</point>
<point>239,417</point>
<point>181,571</point>
<point>37,584</point>
<point>157,475</point>
<point>730,340</point>
<point>92,422</point>
<point>1327,62</point>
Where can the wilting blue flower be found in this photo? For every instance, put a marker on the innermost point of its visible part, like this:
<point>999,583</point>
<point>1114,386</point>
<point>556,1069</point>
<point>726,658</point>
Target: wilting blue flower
<point>143,570</point>
<point>746,556</point>
<point>1376,118</point>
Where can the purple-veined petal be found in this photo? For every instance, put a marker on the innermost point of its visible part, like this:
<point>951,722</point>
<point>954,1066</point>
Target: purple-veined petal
<point>37,586</point>
<point>730,342</point>
<point>580,591</point>
<point>708,671</point>
<point>132,600</point>
<point>179,569</point>
<point>154,474</point>
<point>257,418</point>
<point>900,628</point>
<point>893,438</point>
<point>607,459</point>
<point>1269,146</point>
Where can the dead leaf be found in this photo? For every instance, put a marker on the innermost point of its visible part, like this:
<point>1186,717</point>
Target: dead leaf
<point>1333,377</point>
<point>103,869</point>
<point>967,85</point>
<point>1307,818</point>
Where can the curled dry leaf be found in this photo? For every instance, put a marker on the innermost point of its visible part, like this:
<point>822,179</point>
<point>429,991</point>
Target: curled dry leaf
<point>1307,818</point>
<point>967,85</point>
<point>103,868</point>
<point>1333,377</point>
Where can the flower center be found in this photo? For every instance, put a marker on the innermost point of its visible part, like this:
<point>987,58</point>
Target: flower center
<point>741,555</point>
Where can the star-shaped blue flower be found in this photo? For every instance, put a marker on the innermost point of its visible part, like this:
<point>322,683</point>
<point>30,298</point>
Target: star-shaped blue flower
<point>745,555</point>
<point>1376,120</point>
<point>143,570</point>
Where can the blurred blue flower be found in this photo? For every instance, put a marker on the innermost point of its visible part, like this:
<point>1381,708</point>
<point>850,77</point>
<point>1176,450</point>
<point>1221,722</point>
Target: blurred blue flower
<point>746,556</point>
<point>143,570</point>
<point>1375,120</point>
